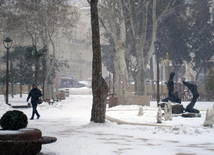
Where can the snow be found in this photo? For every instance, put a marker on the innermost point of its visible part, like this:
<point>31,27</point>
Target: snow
<point>69,122</point>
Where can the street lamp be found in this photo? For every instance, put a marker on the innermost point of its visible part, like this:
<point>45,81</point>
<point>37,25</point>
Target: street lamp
<point>43,67</point>
<point>7,44</point>
<point>157,48</point>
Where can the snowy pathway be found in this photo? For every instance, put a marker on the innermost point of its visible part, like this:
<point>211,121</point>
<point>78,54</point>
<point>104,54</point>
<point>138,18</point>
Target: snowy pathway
<point>69,121</point>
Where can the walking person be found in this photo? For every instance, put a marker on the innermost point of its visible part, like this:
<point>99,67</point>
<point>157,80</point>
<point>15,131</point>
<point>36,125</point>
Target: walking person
<point>34,94</point>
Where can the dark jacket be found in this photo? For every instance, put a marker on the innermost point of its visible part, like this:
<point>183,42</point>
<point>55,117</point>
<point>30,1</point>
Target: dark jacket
<point>35,93</point>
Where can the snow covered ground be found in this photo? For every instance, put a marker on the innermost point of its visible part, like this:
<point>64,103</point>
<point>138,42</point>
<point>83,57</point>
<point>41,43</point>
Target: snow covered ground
<point>69,121</point>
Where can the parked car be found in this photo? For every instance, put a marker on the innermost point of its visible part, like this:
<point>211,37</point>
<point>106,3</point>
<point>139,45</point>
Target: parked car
<point>70,83</point>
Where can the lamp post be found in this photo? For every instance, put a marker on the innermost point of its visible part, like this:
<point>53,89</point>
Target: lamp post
<point>157,48</point>
<point>167,69</point>
<point>7,44</point>
<point>43,76</point>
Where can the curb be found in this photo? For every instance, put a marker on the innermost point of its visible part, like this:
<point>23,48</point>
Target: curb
<point>111,119</point>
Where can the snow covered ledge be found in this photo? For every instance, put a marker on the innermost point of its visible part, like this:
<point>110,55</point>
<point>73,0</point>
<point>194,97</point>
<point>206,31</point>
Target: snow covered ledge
<point>23,142</point>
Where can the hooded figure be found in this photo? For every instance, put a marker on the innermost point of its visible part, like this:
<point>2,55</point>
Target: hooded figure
<point>34,94</point>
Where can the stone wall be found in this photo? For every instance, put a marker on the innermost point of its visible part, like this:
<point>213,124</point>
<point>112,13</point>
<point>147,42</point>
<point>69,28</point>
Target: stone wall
<point>133,100</point>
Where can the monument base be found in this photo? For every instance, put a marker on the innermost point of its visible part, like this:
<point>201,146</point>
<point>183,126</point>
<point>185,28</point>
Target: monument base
<point>187,114</point>
<point>177,108</point>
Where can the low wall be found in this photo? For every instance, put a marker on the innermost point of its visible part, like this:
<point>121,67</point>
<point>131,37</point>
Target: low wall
<point>132,100</point>
<point>16,89</point>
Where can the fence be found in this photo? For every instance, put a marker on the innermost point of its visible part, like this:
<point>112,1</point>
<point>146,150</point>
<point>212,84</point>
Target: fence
<point>184,93</point>
<point>16,89</point>
<point>202,97</point>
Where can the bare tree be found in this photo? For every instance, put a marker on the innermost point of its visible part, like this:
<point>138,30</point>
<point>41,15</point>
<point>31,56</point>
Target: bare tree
<point>113,21</point>
<point>42,21</point>
<point>99,86</point>
<point>138,20</point>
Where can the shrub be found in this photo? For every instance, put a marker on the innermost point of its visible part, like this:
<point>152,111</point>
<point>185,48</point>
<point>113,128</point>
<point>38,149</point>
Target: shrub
<point>14,120</point>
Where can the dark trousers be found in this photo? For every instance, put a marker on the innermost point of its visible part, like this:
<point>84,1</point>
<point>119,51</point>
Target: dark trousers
<point>34,106</point>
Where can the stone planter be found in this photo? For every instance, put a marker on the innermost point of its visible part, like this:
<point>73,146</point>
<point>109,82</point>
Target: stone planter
<point>27,141</point>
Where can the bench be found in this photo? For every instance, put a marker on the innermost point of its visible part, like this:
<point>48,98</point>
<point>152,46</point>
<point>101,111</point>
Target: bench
<point>54,100</point>
<point>57,99</point>
<point>51,101</point>
<point>21,106</point>
<point>48,100</point>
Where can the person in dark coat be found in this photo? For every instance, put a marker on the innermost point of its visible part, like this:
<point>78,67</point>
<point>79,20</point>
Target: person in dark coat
<point>34,94</point>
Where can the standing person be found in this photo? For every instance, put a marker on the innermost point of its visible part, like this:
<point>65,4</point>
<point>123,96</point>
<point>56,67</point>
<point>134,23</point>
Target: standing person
<point>35,93</point>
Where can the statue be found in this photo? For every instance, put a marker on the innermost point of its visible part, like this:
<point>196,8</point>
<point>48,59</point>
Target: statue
<point>209,120</point>
<point>193,89</point>
<point>170,84</point>
<point>173,97</point>
<point>140,112</point>
<point>159,115</point>
<point>168,111</point>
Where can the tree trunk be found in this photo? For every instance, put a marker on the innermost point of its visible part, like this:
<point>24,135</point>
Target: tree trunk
<point>48,88</point>
<point>152,75</point>
<point>122,83</point>
<point>99,86</point>
<point>117,80</point>
<point>36,73</point>
<point>141,73</point>
<point>48,91</point>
